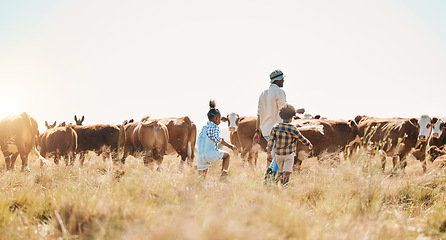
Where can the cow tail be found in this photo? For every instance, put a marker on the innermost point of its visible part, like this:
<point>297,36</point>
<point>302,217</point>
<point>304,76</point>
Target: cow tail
<point>121,140</point>
<point>192,133</point>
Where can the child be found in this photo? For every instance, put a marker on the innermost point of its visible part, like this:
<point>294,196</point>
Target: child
<point>284,137</point>
<point>207,145</point>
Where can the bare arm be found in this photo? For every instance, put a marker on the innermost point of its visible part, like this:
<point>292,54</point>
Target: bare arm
<point>230,146</point>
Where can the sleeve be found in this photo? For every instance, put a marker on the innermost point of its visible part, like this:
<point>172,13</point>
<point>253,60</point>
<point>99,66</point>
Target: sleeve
<point>301,137</point>
<point>259,106</point>
<point>214,134</point>
<point>281,99</point>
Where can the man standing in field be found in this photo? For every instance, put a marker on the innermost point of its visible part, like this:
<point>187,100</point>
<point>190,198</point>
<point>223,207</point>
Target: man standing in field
<point>270,101</point>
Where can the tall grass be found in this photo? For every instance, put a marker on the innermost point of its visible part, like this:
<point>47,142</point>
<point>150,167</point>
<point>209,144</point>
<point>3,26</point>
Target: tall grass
<point>351,199</point>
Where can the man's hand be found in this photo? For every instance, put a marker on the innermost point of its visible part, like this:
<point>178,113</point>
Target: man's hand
<point>233,147</point>
<point>256,137</point>
<point>310,146</point>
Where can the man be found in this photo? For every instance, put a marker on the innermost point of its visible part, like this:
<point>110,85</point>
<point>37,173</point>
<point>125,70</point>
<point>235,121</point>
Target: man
<point>270,101</point>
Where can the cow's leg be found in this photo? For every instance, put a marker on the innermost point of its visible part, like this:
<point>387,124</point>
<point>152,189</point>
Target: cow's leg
<point>56,159</point>
<point>8,162</point>
<point>383,162</point>
<point>424,165</point>
<point>184,158</point>
<point>148,156</point>
<point>24,162</point>
<point>159,156</point>
<point>70,156</point>
<point>297,163</point>
<point>403,163</point>
<point>82,158</point>
<point>125,152</point>
<point>395,160</point>
<point>256,156</point>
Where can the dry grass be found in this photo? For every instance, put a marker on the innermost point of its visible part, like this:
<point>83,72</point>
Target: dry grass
<point>347,200</point>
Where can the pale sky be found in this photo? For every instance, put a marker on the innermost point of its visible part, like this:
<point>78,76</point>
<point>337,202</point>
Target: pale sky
<point>116,60</point>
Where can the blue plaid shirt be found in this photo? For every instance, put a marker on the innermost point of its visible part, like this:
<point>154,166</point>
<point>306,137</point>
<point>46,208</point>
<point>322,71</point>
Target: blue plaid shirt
<point>214,132</point>
<point>285,136</point>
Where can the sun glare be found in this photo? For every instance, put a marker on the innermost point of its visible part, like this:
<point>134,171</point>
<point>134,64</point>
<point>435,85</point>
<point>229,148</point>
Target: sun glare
<point>10,104</point>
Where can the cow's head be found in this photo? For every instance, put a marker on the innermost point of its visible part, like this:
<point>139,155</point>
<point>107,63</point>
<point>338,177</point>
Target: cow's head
<point>79,121</point>
<point>232,119</point>
<point>50,126</point>
<point>438,127</point>
<point>425,127</point>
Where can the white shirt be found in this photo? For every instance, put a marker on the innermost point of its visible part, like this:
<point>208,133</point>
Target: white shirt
<point>270,101</point>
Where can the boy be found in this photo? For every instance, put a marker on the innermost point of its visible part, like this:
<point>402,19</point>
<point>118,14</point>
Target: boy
<point>285,135</point>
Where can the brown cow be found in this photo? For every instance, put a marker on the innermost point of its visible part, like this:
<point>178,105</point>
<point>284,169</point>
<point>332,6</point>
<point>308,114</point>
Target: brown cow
<point>103,139</point>
<point>396,137</point>
<point>48,126</point>
<point>18,136</point>
<point>242,130</point>
<point>79,121</point>
<point>327,136</point>
<point>59,142</point>
<point>436,152</point>
<point>150,137</point>
<point>438,136</point>
<point>182,137</point>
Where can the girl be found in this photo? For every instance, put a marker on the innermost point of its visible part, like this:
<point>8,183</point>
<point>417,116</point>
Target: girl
<point>207,145</point>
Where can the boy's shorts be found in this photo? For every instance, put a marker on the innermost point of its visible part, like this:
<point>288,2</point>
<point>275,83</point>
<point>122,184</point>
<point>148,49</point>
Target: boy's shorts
<point>285,162</point>
<point>205,160</point>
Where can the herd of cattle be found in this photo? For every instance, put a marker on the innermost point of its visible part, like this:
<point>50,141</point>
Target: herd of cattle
<point>151,139</point>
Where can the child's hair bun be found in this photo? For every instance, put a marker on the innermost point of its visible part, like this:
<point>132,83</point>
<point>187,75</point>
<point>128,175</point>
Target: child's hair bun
<point>212,104</point>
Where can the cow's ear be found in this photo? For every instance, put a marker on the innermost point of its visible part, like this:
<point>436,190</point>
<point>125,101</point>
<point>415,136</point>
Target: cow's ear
<point>296,117</point>
<point>224,119</point>
<point>414,121</point>
<point>131,120</point>
<point>317,117</point>
<point>358,118</point>
<point>434,120</point>
<point>63,124</point>
<point>443,125</point>
<point>352,123</point>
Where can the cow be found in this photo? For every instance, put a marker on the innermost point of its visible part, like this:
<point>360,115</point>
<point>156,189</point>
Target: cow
<point>438,136</point>
<point>48,126</point>
<point>59,142</point>
<point>18,136</point>
<point>150,137</point>
<point>242,130</point>
<point>395,137</point>
<point>436,152</point>
<point>79,121</point>
<point>101,138</point>
<point>182,137</point>
<point>327,136</point>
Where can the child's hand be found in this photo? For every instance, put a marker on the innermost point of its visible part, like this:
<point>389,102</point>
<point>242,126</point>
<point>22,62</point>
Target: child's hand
<point>310,147</point>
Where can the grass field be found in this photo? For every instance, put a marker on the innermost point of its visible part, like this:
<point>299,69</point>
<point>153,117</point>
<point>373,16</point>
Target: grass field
<point>347,200</point>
